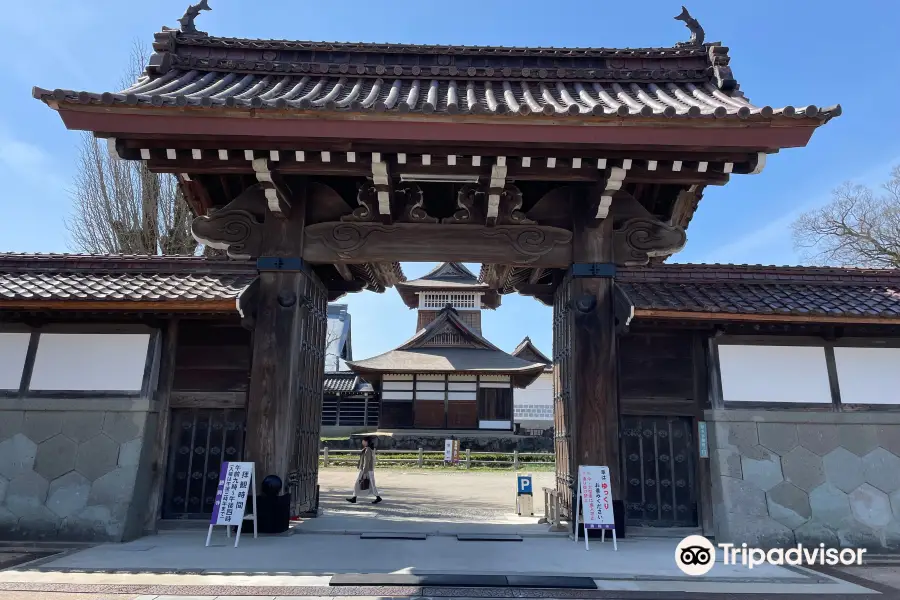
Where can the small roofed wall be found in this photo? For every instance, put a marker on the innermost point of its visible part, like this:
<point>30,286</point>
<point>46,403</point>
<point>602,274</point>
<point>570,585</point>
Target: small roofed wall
<point>75,416</point>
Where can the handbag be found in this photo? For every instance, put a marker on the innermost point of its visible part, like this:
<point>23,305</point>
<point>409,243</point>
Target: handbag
<point>364,483</point>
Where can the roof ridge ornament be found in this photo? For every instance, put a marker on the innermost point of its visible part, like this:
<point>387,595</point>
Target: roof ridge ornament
<point>187,20</point>
<point>697,33</point>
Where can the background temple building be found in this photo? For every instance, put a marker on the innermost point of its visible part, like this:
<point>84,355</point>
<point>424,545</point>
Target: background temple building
<point>448,376</point>
<point>754,404</point>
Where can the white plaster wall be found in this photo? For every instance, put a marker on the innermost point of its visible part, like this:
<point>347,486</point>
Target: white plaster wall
<point>13,348</point>
<point>774,374</point>
<point>535,402</point>
<point>868,375</point>
<point>90,361</point>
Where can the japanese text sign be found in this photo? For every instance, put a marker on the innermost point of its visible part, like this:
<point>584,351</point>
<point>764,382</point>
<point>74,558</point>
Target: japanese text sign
<point>232,494</point>
<point>596,497</point>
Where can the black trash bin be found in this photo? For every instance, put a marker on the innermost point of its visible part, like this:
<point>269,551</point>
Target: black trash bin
<point>273,513</point>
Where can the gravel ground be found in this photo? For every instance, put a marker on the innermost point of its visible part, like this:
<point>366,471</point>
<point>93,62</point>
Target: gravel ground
<point>434,495</point>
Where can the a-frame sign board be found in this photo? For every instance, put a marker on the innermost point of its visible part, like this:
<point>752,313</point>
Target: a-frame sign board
<point>595,498</point>
<point>237,482</point>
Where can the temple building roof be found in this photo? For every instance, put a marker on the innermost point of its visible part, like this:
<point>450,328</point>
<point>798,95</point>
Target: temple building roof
<point>449,277</point>
<point>448,345</point>
<point>687,80</point>
<point>344,383</point>
<point>526,350</point>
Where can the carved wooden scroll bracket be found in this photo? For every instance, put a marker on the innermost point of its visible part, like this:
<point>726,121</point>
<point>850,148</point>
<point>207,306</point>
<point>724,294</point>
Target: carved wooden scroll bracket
<point>638,239</point>
<point>237,227</point>
<point>367,209</point>
<point>469,212</point>
<point>414,211</point>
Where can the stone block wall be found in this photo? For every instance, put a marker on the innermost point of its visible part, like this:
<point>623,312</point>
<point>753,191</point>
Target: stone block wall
<point>73,474</point>
<point>785,477</point>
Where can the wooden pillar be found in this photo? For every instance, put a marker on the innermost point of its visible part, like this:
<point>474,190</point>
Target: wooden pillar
<point>594,352</point>
<point>161,442</point>
<point>585,386</point>
<point>284,406</point>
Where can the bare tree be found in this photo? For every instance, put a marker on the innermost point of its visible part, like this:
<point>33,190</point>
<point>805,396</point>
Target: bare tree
<point>332,354</point>
<point>120,206</point>
<point>859,227</point>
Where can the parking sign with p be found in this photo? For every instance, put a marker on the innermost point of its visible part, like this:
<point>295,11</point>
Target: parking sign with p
<point>524,485</point>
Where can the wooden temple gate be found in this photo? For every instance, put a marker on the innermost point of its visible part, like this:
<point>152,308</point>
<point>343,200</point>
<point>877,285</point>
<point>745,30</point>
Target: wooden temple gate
<point>330,163</point>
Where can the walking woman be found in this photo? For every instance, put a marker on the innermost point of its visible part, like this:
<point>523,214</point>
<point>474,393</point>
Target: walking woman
<point>365,480</point>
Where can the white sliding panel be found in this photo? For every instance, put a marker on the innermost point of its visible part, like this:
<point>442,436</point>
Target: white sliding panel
<point>13,348</point>
<point>774,374</point>
<point>90,362</point>
<point>868,375</point>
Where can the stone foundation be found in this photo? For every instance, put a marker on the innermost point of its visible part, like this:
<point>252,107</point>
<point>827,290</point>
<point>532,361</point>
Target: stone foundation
<point>786,477</point>
<point>80,474</point>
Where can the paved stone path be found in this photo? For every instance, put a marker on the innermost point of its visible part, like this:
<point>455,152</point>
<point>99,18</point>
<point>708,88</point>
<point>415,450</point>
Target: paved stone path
<point>427,497</point>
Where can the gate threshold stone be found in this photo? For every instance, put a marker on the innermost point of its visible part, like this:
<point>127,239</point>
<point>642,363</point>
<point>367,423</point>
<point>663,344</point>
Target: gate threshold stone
<point>462,580</point>
<point>488,537</point>
<point>393,536</point>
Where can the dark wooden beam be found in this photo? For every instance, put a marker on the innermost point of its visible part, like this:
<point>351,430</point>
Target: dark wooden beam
<point>175,123</point>
<point>515,172</point>
<point>520,245</point>
<point>210,145</point>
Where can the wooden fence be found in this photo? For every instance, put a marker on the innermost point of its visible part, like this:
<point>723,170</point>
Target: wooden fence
<point>421,458</point>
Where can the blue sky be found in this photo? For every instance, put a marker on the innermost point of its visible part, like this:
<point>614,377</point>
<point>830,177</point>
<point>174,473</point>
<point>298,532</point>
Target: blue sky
<point>782,53</point>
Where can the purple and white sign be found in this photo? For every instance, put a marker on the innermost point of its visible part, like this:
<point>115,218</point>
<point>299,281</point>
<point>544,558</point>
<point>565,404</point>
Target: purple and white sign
<point>232,494</point>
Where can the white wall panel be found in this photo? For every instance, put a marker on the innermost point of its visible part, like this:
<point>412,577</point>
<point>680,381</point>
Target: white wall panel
<point>397,385</point>
<point>774,374</point>
<point>431,376</point>
<point>494,384</point>
<point>462,377</point>
<point>868,375</point>
<point>463,395</point>
<point>13,348</point>
<point>539,392</point>
<point>391,395</point>
<point>429,395</point>
<point>463,387</point>
<point>90,362</point>
<point>431,385</point>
